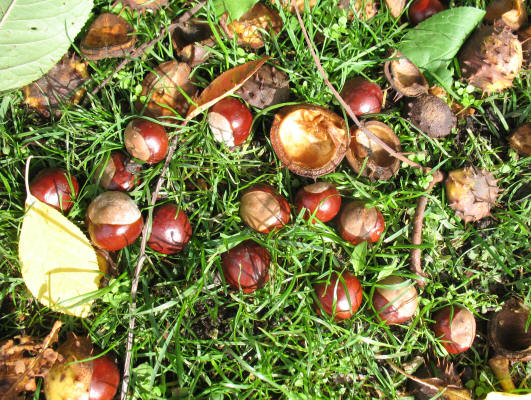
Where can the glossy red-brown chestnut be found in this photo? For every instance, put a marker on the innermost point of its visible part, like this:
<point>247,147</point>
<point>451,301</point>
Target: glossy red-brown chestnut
<point>246,266</point>
<point>113,221</point>
<point>321,198</point>
<point>230,121</point>
<point>72,378</point>
<point>420,10</point>
<point>363,96</point>
<point>395,300</point>
<point>146,140</point>
<point>263,209</point>
<point>170,230</point>
<point>118,173</point>
<point>54,187</point>
<point>340,297</point>
<point>358,223</point>
<point>105,379</point>
<point>456,328</point>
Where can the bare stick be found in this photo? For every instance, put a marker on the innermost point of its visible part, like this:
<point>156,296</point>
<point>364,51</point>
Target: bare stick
<point>350,113</point>
<point>142,49</point>
<point>416,237</point>
<point>138,268</point>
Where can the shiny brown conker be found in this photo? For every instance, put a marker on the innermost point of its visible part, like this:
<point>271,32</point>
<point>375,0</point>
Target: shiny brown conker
<point>170,229</point>
<point>420,10</point>
<point>146,140</point>
<point>54,186</point>
<point>118,173</point>
<point>340,297</point>
<point>321,198</point>
<point>246,266</point>
<point>230,121</point>
<point>263,209</point>
<point>362,96</point>
<point>395,301</point>
<point>456,328</point>
<point>358,223</point>
<point>113,221</point>
<point>73,378</point>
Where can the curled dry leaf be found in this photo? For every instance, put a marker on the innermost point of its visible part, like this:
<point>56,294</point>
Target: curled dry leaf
<point>224,85</point>
<point>520,140</point>
<point>510,12</point>
<point>62,84</point>
<point>58,264</point>
<point>24,358</point>
<point>108,36</point>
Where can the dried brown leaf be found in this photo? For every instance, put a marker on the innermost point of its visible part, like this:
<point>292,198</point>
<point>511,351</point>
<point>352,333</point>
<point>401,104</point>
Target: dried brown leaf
<point>24,358</point>
<point>224,85</point>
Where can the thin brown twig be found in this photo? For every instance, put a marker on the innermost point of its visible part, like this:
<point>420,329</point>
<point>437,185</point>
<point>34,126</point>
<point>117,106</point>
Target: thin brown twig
<point>350,113</point>
<point>416,237</point>
<point>138,268</point>
<point>142,49</point>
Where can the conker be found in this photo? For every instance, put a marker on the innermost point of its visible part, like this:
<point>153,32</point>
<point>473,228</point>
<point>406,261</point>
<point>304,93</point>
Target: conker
<point>146,140</point>
<point>340,297</point>
<point>118,173</point>
<point>456,327</point>
<point>362,96</point>
<point>170,230</point>
<point>72,378</point>
<point>420,10</point>
<point>246,266</point>
<point>230,121</point>
<point>358,223</point>
<point>394,301</point>
<point>113,221</point>
<point>321,198</point>
<point>54,186</point>
<point>263,209</point>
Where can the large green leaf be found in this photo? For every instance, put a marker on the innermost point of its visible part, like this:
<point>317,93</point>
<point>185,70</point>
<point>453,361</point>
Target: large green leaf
<point>433,43</point>
<point>34,35</point>
<point>235,8</point>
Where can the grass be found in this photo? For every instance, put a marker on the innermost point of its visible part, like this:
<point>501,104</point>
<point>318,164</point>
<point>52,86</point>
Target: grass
<point>196,338</point>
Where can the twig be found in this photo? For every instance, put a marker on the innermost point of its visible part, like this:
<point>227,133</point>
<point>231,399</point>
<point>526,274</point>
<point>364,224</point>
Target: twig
<point>141,49</point>
<point>138,268</point>
<point>350,113</point>
<point>416,237</point>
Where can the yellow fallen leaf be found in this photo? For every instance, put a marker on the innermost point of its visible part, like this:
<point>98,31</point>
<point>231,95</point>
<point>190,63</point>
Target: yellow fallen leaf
<point>59,265</point>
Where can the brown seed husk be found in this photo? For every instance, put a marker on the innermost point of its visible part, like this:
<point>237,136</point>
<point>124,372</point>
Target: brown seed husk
<point>431,115</point>
<point>491,58</point>
<point>380,164</point>
<point>163,88</point>
<point>70,379</point>
<point>405,77</point>
<point>248,29</point>
<point>520,140</point>
<point>471,192</point>
<point>267,87</point>
<point>191,41</point>
<point>512,13</point>
<point>309,140</point>
<point>509,334</point>
<point>108,36</point>
<point>62,84</point>
<point>143,5</point>
<point>524,35</point>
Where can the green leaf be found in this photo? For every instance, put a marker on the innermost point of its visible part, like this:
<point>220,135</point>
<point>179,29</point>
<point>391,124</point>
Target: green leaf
<point>433,43</point>
<point>235,8</point>
<point>34,36</point>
